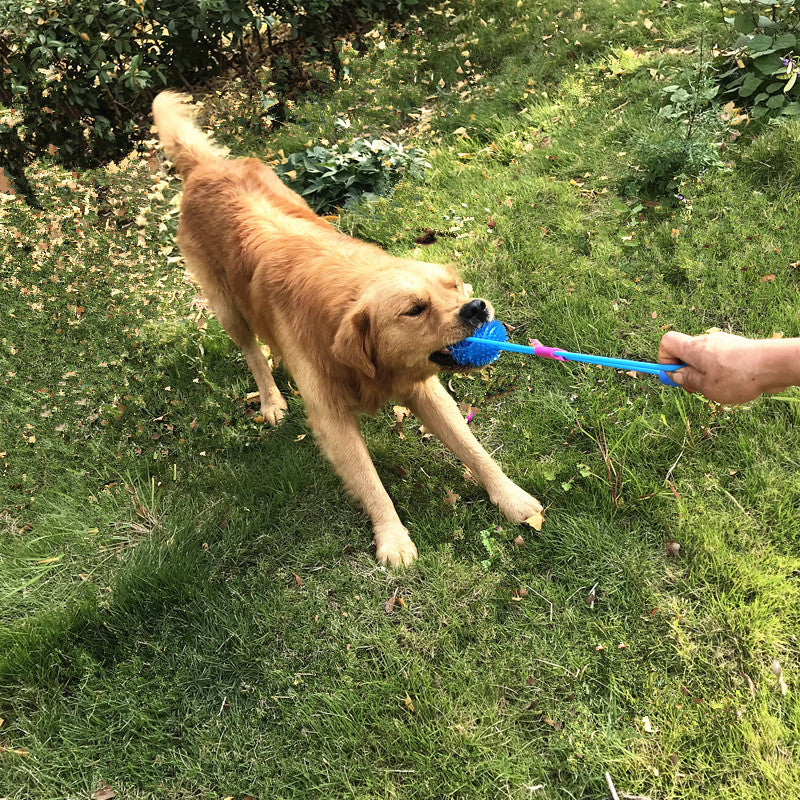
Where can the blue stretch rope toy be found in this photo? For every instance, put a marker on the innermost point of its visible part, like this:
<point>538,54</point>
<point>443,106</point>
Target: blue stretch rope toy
<point>485,344</point>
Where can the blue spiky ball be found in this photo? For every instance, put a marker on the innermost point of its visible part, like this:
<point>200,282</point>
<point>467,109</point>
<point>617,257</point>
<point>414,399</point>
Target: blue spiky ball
<point>477,354</point>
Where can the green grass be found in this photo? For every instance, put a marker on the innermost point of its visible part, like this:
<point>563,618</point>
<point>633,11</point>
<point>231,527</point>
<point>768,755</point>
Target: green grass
<point>189,605</point>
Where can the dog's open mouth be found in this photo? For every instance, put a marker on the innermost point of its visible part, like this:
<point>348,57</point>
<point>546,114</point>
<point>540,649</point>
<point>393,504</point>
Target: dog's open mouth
<point>442,358</point>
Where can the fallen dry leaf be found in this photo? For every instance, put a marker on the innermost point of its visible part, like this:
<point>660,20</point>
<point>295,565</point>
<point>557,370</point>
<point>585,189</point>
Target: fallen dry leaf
<point>409,703</point>
<point>536,520</point>
<point>105,792</point>
<point>6,187</point>
<point>400,413</point>
<point>17,751</point>
<point>519,541</point>
<point>672,548</point>
<point>389,607</point>
<point>778,672</point>
<point>451,498</point>
<point>647,725</point>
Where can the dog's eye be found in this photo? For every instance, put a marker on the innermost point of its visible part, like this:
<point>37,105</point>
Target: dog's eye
<point>416,310</point>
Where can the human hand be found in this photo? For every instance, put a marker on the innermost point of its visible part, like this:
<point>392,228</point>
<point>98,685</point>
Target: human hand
<point>731,369</point>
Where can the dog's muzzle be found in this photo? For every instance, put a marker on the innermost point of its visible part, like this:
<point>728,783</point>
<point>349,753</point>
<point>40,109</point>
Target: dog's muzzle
<point>473,314</point>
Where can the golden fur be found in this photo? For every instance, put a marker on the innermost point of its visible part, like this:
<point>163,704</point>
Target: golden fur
<point>354,325</point>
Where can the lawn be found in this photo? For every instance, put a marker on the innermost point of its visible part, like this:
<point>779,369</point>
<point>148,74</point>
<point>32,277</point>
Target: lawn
<point>190,607</point>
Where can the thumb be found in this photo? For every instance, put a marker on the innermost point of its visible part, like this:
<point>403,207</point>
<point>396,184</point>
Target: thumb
<point>674,347</point>
<point>689,378</point>
<point>678,376</point>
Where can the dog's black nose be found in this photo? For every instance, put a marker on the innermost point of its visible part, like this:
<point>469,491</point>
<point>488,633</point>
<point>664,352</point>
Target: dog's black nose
<point>476,312</point>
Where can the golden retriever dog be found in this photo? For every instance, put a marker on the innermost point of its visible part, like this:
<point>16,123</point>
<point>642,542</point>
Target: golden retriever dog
<point>355,326</point>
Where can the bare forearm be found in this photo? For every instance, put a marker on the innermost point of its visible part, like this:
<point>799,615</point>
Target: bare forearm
<point>732,369</point>
<point>780,365</point>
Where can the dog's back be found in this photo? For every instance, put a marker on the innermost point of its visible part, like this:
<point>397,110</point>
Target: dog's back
<point>253,244</point>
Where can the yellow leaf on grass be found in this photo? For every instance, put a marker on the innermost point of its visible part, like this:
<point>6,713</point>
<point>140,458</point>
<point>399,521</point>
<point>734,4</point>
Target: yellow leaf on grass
<point>409,703</point>
<point>536,520</point>
<point>16,750</point>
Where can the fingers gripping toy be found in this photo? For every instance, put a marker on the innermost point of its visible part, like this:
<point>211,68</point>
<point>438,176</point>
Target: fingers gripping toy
<point>485,344</point>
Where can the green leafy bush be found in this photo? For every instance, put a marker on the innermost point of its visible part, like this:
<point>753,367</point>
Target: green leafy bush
<point>81,75</point>
<point>762,68</point>
<point>690,100</point>
<point>364,170</point>
<point>78,78</point>
<point>688,144</point>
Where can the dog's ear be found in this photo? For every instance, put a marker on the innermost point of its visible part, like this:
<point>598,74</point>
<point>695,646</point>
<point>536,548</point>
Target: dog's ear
<point>352,344</point>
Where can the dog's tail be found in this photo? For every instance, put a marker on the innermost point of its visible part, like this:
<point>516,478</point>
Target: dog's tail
<point>184,143</point>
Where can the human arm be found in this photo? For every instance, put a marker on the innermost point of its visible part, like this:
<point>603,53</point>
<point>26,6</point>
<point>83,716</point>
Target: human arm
<point>731,369</point>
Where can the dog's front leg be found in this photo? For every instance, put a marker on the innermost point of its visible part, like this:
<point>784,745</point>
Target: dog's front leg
<point>340,439</point>
<point>440,415</point>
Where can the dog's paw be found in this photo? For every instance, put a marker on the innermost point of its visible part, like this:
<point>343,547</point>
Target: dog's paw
<point>273,413</point>
<point>272,410</point>
<point>516,505</point>
<point>393,546</point>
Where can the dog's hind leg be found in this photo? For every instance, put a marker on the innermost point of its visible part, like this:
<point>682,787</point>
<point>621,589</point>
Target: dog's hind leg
<point>273,404</point>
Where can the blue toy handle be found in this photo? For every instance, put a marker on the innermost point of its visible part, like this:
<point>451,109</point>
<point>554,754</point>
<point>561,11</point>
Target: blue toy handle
<point>626,364</point>
<point>648,367</point>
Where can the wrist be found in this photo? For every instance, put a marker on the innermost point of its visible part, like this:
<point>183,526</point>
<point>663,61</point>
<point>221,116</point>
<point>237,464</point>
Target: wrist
<point>779,364</point>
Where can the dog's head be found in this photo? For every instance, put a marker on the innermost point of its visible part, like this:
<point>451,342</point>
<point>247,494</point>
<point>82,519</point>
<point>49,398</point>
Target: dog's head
<point>405,320</point>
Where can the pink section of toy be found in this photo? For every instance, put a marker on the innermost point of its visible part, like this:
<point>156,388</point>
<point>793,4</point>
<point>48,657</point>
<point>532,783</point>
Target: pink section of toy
<point>545,352</point>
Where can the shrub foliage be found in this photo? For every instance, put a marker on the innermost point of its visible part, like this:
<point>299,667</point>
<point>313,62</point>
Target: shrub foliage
<point>762,69</point>
<point>78,77</point>
<point>337,178</point>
